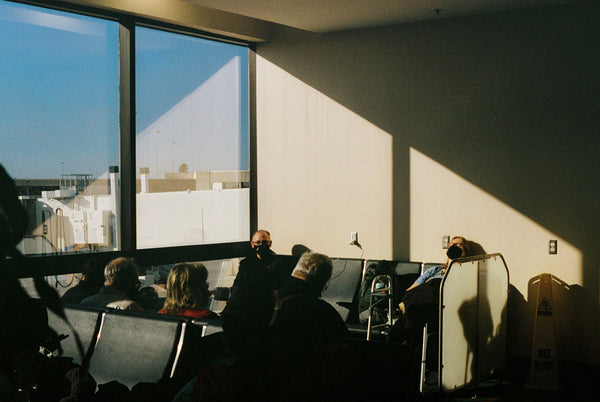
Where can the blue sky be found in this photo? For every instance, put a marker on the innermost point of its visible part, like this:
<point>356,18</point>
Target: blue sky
<point>59,88</point>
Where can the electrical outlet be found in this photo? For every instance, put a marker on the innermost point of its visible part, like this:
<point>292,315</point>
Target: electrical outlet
<point>353,237</point>
<point>445,241</point>
<point>553,247</point>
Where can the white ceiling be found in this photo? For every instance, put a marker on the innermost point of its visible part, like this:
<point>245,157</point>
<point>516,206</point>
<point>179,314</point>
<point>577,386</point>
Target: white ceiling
<point>334,15</point>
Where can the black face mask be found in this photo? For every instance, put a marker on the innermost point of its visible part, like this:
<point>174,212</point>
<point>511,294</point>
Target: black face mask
<point>454,252</point>
<point>262,249</point>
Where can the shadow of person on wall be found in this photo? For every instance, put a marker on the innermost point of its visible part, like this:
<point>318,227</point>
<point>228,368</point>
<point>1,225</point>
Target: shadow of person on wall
<point>519,331</point>
<point>484,318</point>
<point>486,339</point>
<point>477,325</point>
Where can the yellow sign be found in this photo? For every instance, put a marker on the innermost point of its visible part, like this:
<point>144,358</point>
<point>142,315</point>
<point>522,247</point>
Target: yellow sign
<point>544,308</point>
<point>543,372</point>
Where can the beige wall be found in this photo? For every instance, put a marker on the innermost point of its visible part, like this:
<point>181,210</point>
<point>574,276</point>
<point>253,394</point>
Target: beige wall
<point>480,126</point>
<point>323,171</point>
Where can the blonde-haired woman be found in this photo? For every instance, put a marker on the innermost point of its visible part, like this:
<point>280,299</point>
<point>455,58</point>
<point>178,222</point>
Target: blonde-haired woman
<point>187,292</point>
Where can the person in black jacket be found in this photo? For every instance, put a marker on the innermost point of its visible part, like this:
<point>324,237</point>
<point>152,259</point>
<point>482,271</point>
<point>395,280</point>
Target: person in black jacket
<point>262,268</point>
<point>246,316</point>
<point>299,310</point>
<point>89,285</point>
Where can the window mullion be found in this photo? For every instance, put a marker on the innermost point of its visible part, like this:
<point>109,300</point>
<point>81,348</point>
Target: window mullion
<point>127,134</point>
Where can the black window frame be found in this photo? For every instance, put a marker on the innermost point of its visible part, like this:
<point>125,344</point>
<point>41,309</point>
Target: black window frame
<point>49,265</point>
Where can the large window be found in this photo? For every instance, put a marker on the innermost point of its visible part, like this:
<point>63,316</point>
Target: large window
<point>192,140</point>
<point>59,126</point>
<point>65,126</point>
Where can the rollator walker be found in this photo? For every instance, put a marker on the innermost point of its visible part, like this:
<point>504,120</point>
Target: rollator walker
<point>382,292</point>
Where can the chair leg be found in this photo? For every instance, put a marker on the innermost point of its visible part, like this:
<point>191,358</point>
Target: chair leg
<point>423,361</point>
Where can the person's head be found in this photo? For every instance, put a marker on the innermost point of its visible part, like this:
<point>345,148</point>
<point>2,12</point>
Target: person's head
<point>93,274</point>
<point>314,268</point>
<point>123,274</point>
<point>462,244</point>
<point>147,297</point>
<point>299,249</point>
<point>261,243</point>
<point>186,287</point>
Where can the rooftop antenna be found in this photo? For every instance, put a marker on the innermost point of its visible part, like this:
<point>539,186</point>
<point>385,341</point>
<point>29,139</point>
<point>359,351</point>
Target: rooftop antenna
<point>62,173</point>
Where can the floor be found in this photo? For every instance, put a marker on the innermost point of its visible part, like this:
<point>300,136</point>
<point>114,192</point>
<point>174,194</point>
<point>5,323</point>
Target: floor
<point>576,383</point>
<point>507,393</point>
<point>518,394</point>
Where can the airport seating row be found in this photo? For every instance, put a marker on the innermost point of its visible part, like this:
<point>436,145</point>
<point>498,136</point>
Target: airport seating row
<point>138,348</point>
<point>129,347</point>
<point>344,287</point>
<point>134,348</point>
<point>146,347</point>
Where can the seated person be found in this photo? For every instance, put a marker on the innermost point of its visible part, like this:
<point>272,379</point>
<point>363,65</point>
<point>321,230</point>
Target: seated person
<point>457,244</point>
<point>91,281</point>
<point>249,308</point>
<point>299,249</point>
<point>420,303</point>
<point>147,298</point>
<point>120,286</point>
<point>187,292</point>
<point>246,316</point>
<point>262,267</point>
<point>299,311</point>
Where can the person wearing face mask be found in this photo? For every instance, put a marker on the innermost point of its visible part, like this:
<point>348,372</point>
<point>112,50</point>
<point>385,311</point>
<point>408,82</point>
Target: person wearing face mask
<point>249,307</point>
<point>458,248</point>
<point>420,302</point>
<point>262,268</point>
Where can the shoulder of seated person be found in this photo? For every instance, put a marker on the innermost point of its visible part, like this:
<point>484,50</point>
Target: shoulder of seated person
<point>128,305</point>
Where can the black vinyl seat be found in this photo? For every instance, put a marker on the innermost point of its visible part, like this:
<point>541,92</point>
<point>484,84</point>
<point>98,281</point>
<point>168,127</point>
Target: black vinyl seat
<point>208,327</point>
<point>86,322</point>
<point>203,343</point>
<point>342,288</point>
<point>380,305</point>
<point>134,347</point>
<point>406,273</point>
